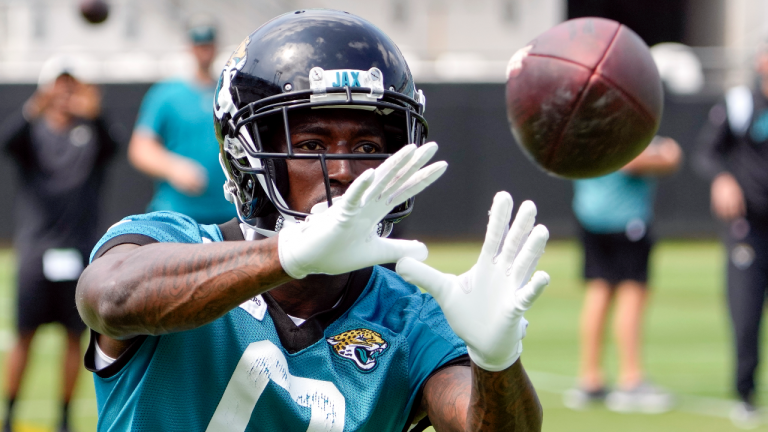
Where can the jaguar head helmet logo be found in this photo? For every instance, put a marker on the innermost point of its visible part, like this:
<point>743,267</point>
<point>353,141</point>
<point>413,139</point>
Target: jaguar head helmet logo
<point>222,99</point>
<point>361,346</point>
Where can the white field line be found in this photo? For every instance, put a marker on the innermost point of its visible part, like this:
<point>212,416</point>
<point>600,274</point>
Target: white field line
<point>705,406</point>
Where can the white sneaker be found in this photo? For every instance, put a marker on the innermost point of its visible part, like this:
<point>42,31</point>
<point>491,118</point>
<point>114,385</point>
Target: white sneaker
<point>643,398</point>
<point>579,399</point>
<point>744,415</point>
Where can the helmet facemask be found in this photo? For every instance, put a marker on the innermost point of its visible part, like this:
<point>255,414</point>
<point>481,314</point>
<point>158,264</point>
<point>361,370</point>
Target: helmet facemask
<point>257,179</point>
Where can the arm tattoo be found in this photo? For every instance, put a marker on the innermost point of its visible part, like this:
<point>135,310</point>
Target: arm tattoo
<point>168,287</point>
<point>472,399</point>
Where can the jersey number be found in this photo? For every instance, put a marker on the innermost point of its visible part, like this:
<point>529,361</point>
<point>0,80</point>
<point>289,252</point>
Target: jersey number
<point>263,362</point>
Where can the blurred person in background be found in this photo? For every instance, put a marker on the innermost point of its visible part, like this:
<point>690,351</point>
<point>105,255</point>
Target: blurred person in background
<point>615,213</point>
<point>733,155</point>
<point>174,142</point>
<point>60,145</point>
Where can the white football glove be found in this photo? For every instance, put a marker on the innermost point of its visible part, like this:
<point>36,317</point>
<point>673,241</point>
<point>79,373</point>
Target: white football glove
<point>485,305</point>
<point>343,237</point>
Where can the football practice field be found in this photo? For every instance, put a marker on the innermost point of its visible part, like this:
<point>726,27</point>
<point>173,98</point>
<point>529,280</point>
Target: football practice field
<point>688,347</point>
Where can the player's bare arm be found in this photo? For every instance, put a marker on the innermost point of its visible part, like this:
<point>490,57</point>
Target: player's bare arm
<point>169,287</point>
<point>473,399</point>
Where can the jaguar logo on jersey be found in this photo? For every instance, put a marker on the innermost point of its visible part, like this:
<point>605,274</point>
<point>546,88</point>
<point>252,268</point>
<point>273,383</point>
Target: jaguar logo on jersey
<point>362,346</point>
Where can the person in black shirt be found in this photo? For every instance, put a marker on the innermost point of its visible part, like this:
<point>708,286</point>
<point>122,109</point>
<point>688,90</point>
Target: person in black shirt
<point>60,145</point>
<point>733,155</point>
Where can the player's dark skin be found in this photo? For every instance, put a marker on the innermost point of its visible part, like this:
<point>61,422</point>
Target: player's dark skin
<point>165,287</point>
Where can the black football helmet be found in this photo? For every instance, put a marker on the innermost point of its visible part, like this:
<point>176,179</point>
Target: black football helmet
<point>306,60</point>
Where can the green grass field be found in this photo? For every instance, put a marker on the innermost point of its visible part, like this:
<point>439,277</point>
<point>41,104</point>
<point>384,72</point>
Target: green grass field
<point>688,348</point>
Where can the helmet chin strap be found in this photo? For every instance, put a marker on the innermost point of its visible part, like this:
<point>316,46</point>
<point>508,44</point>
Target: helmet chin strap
<point>264,231</point>
<point>284,220</point>
<point>383,229</point>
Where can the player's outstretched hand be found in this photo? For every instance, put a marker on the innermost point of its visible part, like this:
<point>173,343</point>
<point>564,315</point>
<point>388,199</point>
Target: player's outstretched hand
<point>343,238</point>
<point>485,305</point>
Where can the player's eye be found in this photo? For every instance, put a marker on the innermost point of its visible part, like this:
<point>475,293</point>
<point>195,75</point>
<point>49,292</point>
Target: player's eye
<point>310,146</point>
<point>367,148</point>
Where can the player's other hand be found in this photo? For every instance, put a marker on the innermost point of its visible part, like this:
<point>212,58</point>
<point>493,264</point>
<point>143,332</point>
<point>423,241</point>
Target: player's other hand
<point>187,176</point>
<point>343,237</point>
<point>485,305</point>
<point>727,198</point>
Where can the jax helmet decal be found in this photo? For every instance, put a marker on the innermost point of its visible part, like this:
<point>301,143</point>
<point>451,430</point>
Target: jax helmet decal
<point>307,59</point>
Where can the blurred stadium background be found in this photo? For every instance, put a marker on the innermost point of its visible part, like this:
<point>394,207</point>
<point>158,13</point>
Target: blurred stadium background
<point>457,50</point>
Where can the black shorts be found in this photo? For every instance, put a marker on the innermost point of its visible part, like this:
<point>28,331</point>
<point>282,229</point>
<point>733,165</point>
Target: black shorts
<point>40,301</point>
<point>615,258</point>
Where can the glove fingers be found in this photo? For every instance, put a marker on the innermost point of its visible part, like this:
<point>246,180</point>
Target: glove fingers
<point>498,222</point>
<point>423,178</point>
<point>525,296</point>
<point>420,157</point>
<point>526,260</point>
<point>435,282</point>
<point>392,250</point>
<point>388,170</point>
<point>521,226</point>
<point>354,194</point>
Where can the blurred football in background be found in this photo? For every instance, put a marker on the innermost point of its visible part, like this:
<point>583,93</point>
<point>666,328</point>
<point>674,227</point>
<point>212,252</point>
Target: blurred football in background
<point>94,11</point>
<point>584,98</point>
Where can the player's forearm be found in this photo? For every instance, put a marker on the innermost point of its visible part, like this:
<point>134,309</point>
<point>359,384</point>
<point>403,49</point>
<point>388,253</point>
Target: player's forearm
<point>472,399</point>
<point>503,400</point>
<point>164,288</point>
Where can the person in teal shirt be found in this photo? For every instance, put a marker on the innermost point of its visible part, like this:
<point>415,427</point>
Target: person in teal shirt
<point>174,141</point>
<point>614,213</point>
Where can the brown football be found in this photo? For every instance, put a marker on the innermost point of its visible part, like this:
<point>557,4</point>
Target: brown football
<point>584,98</point>
<point>94,11</point>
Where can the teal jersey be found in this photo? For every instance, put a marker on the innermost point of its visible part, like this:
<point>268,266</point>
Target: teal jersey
<point>180,115</point>
<point>254,370</point>
<point>608,204</point>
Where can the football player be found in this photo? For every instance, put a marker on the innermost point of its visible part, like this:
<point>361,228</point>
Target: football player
<point>281,319</point>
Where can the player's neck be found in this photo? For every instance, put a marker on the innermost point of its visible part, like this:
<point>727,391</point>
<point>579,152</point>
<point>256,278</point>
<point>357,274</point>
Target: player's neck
<point>306,297</point>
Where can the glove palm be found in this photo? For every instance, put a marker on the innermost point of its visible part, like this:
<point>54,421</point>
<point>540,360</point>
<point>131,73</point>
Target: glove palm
<point>485,305</point>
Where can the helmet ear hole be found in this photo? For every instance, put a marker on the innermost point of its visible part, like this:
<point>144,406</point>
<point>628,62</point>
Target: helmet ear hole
<point>262,205</point>
<point>278,170</point>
